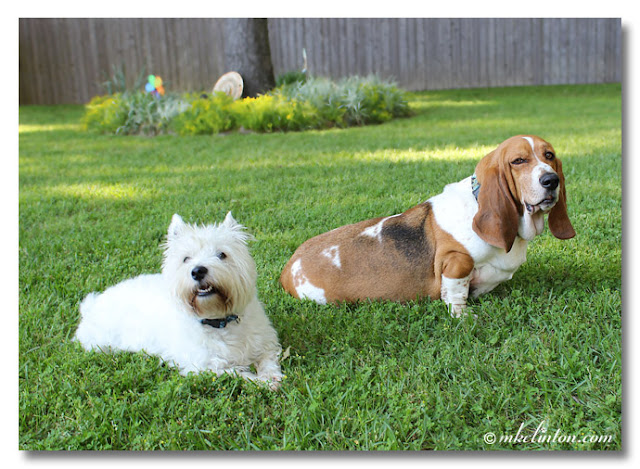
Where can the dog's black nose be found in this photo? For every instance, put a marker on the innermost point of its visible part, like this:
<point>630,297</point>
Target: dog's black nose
<point>549,181</point>
<point>199,272</point>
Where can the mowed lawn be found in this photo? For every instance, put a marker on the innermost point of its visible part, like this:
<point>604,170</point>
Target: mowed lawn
<point>543,357</point>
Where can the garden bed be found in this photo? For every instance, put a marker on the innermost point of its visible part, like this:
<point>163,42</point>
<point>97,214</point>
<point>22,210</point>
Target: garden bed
<point>313,104</point>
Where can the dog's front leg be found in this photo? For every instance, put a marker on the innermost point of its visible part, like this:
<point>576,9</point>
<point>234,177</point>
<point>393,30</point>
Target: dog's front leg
<point>241,372</point>
<point>455,282</point>
<point>269,371</point>
<point>454,292</point>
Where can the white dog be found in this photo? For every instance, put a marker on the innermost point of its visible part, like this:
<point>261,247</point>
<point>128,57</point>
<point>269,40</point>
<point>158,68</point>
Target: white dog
<point>201,313</point>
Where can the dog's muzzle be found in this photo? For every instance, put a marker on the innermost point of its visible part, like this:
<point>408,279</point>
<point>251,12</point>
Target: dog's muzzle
<point>550,182</point>
<point>204,288</point>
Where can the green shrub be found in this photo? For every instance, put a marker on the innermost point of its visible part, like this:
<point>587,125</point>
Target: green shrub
<point>205,115</point>
<point>289,78</point>
<point>312,104</point>
<point>105,114</point>
<point>133,113</point>
<point>269,113</point>
<point>148,115</point>
<point>350,101</point>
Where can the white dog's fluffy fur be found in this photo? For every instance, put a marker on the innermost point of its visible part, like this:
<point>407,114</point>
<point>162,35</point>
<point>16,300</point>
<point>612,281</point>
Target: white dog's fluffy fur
<point>207,273</point>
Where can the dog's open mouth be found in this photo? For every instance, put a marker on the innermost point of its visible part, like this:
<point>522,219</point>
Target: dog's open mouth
<point>207,290</point>
<point>544,205</point>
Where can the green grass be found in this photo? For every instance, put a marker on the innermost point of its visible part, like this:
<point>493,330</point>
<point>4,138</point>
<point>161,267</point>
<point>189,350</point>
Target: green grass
<point>545,348</point>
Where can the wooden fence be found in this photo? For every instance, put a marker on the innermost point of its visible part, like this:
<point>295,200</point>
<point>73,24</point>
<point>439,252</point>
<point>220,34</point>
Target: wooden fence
<point>63,60</point>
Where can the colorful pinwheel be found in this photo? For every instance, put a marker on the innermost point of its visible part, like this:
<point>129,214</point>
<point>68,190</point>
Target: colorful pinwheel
<point>154,86</point>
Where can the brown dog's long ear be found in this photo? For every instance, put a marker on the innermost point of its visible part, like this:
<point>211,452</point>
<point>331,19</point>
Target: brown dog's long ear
<point>497,219</point>
<point>559,223</point>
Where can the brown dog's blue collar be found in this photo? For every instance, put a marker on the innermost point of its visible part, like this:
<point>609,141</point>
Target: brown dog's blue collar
<point>475,186</point>
<point>219,323</point>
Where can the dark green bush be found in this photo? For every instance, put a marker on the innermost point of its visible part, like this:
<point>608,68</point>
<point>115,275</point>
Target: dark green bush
<point>290,78</point>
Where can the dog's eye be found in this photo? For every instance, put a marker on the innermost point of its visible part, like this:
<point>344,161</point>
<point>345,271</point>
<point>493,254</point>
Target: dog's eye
<point>222,256</point>
<point>548,155</point>
<point>186,259</point>
<point>519,161</point>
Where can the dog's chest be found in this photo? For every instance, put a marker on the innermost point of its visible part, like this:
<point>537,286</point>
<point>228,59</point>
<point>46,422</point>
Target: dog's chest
<point>500,267</point>
<point>454,210</point>
<point>226,345</point>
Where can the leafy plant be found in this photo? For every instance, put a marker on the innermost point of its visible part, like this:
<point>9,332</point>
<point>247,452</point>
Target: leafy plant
<point>296,105</point>
<point>291,77</point>
<point>135,113</point>
<point>271,113</point>
<point>204,115</point>
<point>105,114</point>
<point>350,101</point>
<point>117,82</point>
<point>148,115</point>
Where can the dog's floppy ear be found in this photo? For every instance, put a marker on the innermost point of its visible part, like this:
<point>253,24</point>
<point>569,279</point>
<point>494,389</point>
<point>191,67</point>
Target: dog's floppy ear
<point>497,219</point>
<point>176,227</point>
<point>559,223</point>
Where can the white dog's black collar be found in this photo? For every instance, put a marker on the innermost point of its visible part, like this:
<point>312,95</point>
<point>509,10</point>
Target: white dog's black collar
<point>219,323</point>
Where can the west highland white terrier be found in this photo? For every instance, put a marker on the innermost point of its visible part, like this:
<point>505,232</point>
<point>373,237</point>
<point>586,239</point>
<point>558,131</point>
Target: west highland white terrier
<point>201,313</point>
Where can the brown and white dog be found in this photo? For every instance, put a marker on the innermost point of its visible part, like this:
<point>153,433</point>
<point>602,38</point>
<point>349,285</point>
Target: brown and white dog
<point>465,240</point>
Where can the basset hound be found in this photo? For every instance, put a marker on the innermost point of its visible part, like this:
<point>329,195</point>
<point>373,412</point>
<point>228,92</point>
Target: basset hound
<point>463,241</point>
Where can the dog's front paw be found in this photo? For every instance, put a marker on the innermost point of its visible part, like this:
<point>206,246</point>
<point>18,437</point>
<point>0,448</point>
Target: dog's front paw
<point>272,381</point>
<point>460,311</point>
